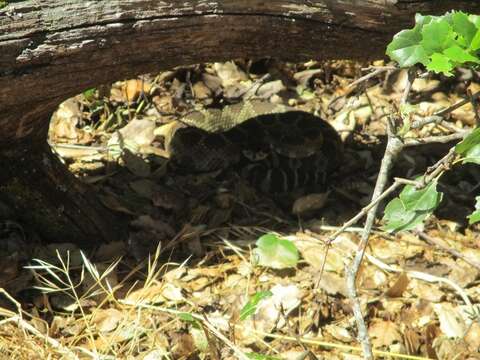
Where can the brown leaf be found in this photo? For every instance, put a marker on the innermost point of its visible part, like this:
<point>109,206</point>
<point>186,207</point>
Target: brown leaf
<point>116,204</point>
<point>229,73</point>
<point>201,91</point>
<point>133,88</point>
<point>270,88</point>
<point>139,131</point>
<point>412,341</point>
<point>135,164</point>
<point>107,320</point>
<point>309,203</point>
<point>384,333</point>
<point>400,285</point>
<point>303,77</point>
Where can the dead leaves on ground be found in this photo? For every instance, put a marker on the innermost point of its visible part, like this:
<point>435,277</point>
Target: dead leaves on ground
<point>139,307</point>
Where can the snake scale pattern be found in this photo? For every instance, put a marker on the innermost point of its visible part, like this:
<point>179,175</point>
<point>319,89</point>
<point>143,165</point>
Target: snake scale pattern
<point>276,148</point>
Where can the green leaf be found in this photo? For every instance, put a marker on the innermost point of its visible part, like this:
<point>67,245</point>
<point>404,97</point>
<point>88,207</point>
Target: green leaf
<point>421,20</point>
<point>276,253</point>
<point>407,56</point>
<point>395,216</point>
<point>405,47</point>
<point>405,38</point>
<point>439,63</point>
<point>457,54</point>
<point>251,307</point>
<point>411,208</point>
<point>475,216</point>
<point>439,42</point>
<point>472,155</point>
<point>406,111</point>
<point>437,35</point>
<point>475,19</point>
<point>397,219</point>
<point>89,94</point>
<point>473,139</point>
<point>424,199</point>
<point>188,318</point>
<point>475,44</point>
<point>417,221</point>
<point>464,27</point>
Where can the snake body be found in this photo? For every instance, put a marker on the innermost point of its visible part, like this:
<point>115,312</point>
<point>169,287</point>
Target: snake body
<point>275,147</point>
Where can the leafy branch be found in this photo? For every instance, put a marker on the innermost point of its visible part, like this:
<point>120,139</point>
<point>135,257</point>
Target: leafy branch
<point>440,44</point>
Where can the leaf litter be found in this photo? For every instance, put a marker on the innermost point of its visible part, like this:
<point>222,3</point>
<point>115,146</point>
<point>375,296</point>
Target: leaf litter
<point>179,287</point>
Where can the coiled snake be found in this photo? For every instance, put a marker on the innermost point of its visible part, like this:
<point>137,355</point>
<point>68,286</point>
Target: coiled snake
<point>276,148</point>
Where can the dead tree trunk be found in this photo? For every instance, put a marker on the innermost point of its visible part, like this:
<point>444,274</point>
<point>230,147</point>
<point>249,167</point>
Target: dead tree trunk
<point>53,49</point>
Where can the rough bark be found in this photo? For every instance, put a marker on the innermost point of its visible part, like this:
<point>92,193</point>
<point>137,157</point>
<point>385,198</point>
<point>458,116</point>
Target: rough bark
<point>52,49</point>
<point>38,189</point>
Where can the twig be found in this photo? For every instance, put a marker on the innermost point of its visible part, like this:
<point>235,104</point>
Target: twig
<point>47,339</point>
<point>385,68</point>
<point>408,86</point>
<point>348,90</point>
<point>394,147</point>
<point>368,76</point>
<point>441,165</point>
<point>239,353</point>
<point>457,105</point>
<point>330,345</point>
<point>421,276</point>
<point>420,121</point>
<point>438,116</point>
<point>436,139</point>
<point>363,212</point>
<point>256,84</point>
<point>440,244</point>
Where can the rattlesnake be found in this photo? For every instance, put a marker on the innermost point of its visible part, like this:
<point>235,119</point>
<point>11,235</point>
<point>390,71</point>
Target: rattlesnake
<point>275,147</point>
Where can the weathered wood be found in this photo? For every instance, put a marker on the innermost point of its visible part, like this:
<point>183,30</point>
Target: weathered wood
<point>52,49</point>
<point>35,185</point>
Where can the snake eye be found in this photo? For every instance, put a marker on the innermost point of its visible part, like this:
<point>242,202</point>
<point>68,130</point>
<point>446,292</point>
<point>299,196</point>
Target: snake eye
<point>254,155</point>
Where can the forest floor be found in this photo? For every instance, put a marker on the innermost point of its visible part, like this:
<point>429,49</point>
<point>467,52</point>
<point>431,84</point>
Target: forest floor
<point>188,284</point>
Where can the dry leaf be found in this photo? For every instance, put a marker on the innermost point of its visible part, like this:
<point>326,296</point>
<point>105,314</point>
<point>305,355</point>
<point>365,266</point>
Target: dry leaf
<point>107,320</point>
<point>139,131</point>
<point>135,164</point>
<point>309,203</point>
<point>201,91</point>
<point>156,294</point>
<point>384,333</point>
<point>133,88</point>
<point>229,73</point>
<point>452,323</point>
<point>400,285</point>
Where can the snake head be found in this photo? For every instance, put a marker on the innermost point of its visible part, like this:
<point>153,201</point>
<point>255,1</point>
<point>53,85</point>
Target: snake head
<point>255,155</point>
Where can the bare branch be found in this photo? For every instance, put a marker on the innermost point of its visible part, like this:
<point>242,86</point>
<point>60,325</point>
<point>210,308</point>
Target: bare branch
<point>408,85</point>
<point>436,139</point>
<point>457,105</point>
<point>368,76</point>
<point>441,244</point>
<point>394,147</point>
